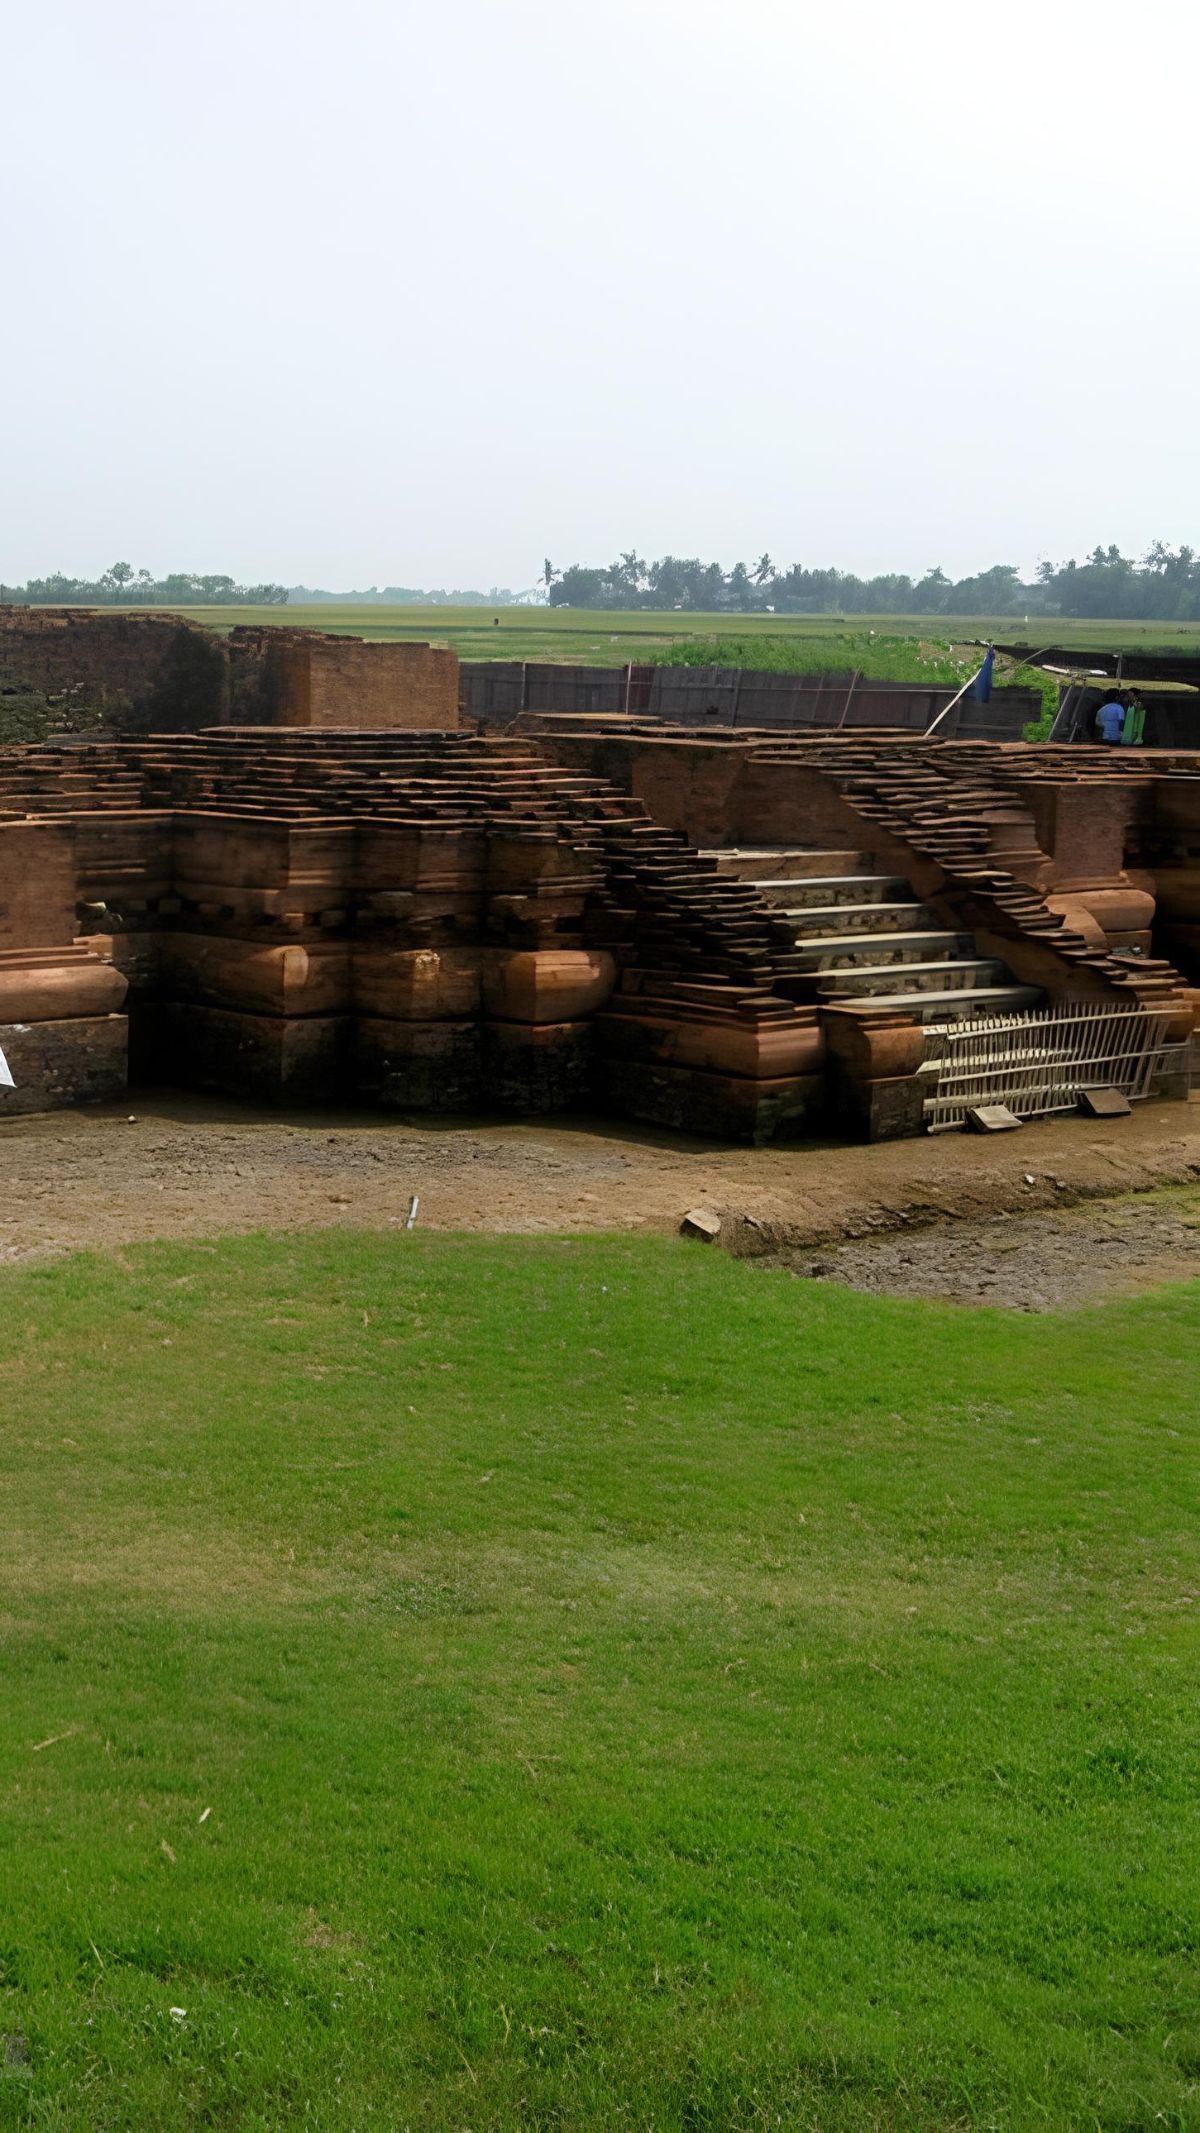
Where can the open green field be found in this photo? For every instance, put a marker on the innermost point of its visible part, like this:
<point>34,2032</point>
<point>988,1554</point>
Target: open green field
<point>558,1684</point>
<point>594,639</point>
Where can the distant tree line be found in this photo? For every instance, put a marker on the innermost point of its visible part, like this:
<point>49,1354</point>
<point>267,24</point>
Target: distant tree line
<point>1163,586</point>
<point>122,586</point>
<point>407,596</point>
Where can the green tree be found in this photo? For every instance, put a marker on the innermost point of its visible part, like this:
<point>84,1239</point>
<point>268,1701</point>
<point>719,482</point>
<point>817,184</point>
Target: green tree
<point>739,589</point>
<point>116,578</point>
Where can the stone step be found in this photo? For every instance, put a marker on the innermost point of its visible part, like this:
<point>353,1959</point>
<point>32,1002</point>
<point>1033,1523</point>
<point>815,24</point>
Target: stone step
<point>965,973</point>
<point>773,886</point>
<point>981,1000</point>
<point>843,951</point>
<point>822,890</point>
<point>825,920</point>
<point>784,862</point>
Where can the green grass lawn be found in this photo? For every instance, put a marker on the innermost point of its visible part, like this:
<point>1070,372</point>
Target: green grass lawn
<point>559,1684</point>
<point>610,639</point>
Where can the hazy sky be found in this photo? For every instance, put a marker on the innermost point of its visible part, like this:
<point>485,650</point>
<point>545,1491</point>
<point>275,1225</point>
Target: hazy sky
<point>383,293</point>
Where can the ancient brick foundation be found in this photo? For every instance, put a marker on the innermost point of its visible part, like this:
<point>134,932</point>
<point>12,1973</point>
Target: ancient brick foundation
<point>437,922</point>
<point>429,923</point>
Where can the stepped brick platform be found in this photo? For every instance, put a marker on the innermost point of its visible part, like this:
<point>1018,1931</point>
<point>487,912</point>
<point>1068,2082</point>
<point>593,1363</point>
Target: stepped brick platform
<point>1068,876</point>
<point>438,921</point>
<point>429,921</point>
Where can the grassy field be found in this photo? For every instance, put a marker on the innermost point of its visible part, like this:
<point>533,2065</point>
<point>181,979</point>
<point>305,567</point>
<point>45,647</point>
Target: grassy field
<point>612,639</point>
<point>556,1684</point>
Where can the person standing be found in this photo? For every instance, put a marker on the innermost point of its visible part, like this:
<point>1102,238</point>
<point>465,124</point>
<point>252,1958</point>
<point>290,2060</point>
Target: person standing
<point>1110,718</point>
<point>1133,730</point>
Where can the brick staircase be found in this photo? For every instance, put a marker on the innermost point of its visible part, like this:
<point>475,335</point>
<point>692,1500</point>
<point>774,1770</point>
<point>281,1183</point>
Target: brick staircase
<point>864,937</point>
<point>959,811</point>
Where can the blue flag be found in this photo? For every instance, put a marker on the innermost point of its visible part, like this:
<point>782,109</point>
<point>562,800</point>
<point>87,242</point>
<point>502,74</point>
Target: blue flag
<point>981,687</point>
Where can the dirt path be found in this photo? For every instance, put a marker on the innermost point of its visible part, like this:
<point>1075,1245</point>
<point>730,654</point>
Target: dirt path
<point>192,1167</point>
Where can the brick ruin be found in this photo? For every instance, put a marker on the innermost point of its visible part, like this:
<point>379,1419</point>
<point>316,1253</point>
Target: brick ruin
<point>433,922</point>
<point>156,672</point>
<point>734,937</point>
<point>293,677</point>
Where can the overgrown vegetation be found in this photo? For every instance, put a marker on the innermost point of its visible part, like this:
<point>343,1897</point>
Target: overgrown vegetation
<point>188,691</point>
<point>875,656</point>
<point>590,1685</point>
<point>33,715</point>
<point>1039,729</point>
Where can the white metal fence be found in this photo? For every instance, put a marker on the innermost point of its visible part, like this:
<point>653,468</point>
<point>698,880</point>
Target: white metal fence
<point>1040,1062</point>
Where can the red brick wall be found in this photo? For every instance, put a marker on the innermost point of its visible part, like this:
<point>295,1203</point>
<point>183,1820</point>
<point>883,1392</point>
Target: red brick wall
<point>714,791</point>
<point>163,671</point>
<point>124,663</point>
<point>286,677</point>
<point>37,884</point>
<point>351,683</point>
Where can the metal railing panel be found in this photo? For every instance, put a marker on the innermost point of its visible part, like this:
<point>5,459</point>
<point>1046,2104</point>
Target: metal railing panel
<point>1039,1063</point>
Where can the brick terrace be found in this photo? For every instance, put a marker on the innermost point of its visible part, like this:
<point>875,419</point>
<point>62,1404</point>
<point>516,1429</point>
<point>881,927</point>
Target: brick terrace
<point>433,921</point>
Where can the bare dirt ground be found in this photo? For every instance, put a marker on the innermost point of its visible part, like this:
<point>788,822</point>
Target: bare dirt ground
<point>1033,1262</point>
<point>924,1217</point>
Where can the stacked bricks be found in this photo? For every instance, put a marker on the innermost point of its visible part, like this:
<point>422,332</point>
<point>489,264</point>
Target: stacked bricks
<point>429,921</point>
<point>705,1030</point>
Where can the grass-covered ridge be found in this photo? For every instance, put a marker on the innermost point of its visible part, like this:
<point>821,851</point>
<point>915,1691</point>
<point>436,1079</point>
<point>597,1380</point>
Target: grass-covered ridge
<point>590,1684</point>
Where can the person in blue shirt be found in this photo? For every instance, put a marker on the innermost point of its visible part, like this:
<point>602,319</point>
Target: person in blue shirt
<point>1110,718</point>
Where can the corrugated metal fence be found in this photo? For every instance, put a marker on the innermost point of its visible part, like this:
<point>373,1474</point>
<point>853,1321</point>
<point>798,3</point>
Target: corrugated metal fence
<point>496,691</point>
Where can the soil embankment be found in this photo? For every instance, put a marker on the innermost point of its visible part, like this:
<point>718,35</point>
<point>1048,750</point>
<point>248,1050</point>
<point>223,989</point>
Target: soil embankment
<point>925,1217</point>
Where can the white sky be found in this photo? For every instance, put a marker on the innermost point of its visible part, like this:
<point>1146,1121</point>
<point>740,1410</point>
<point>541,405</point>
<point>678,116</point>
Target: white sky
<point>384,293</point>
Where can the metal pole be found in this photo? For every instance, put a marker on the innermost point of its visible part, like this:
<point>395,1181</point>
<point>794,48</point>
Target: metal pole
<point>947,708</point>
